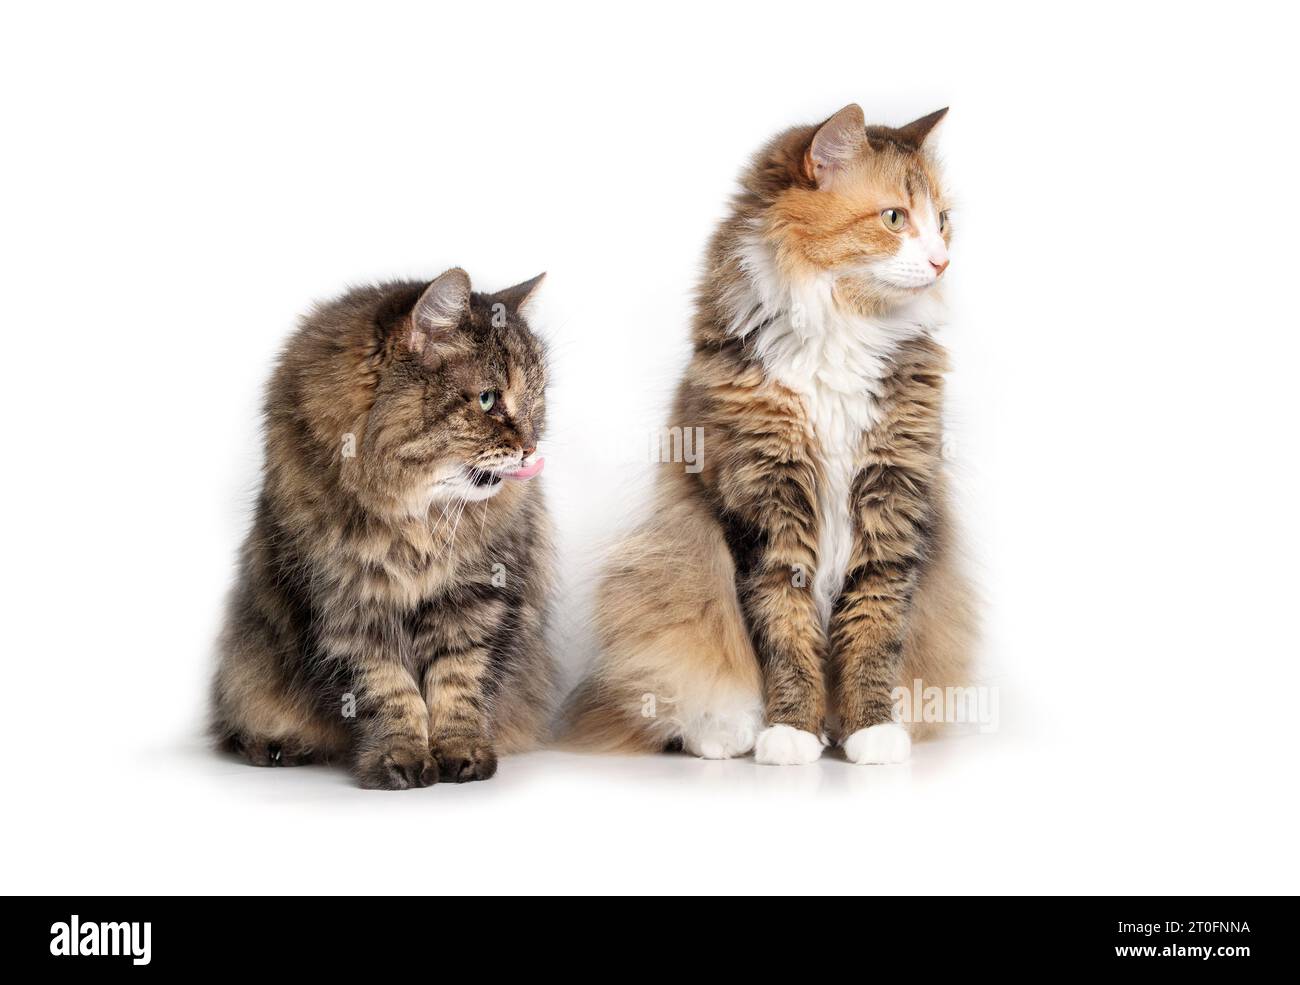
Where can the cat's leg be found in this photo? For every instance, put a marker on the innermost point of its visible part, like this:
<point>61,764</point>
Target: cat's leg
<point>867,637</point>
<point>392,746</point>
<point>761,489</point>
<point>458,690</point>
<point>899,530</point>
<point>787,631</point>
<point>391,723</point>
<point>260,712</point>
<point>867,634</point>
<point>784,618</point>
<point>461,677</point>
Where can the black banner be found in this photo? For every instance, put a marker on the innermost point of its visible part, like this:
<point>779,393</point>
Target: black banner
<point>139,936</point>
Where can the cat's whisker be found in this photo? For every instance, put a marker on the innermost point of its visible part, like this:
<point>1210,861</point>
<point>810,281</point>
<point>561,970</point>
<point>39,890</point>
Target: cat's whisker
<point>442,515</point>
<point>451,540</point>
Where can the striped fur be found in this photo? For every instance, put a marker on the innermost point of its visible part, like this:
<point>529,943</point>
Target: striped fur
<point>391,600</point>
<point>772,600</point>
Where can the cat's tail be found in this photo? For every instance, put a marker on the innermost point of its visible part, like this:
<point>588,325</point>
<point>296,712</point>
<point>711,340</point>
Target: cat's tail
<point>676,664</point>
<point>600,718</point>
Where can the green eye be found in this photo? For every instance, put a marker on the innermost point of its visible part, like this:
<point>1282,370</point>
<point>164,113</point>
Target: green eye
<point>943,220</point>
<point>487,400</point>
<point>894,219</point>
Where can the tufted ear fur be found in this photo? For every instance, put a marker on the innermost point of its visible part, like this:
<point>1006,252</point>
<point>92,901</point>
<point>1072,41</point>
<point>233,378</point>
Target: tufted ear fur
<point>516,298</point>
<point>439,312</point>
<point>915,133</point>
<point>835,144</point>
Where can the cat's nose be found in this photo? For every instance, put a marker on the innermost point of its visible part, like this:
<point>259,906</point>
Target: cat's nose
<point>936,251</point>
<point>529,450</point>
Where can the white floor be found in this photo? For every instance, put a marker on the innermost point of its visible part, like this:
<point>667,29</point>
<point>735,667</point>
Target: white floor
<point>969,814</point>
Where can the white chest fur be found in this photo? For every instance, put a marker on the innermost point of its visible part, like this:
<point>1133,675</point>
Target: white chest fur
<point>835,362</point>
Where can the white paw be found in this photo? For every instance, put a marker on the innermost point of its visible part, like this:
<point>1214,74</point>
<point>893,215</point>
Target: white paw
<point>721,738</point>
<point>887,743</point>
<point>785,745</point>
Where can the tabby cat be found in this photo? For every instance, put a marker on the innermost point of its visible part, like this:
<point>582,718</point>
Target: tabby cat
<point>778,594</point>
<point>393,589</point>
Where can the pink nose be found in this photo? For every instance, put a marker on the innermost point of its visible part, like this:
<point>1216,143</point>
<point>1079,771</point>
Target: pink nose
<point>939,267</point>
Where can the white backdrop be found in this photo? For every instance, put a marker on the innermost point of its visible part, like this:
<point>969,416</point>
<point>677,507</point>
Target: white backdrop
<point>179,184</point>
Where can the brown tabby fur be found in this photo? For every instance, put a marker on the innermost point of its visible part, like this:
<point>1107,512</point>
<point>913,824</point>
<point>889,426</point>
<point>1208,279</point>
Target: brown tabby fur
<point>697,607</point>
<point>359,588</point>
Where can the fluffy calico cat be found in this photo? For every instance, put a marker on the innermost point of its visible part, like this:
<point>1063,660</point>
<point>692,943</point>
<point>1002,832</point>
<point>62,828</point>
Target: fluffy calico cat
<point>393,588</point>
<point>779,593</point>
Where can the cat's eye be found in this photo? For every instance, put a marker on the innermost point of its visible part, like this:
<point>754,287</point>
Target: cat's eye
<point>943,220</point>
<point>895,220</point>
<point>487,400</point>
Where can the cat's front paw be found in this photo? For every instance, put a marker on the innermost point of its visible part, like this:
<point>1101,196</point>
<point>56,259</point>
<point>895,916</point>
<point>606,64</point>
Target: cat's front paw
<point>878,744</point>
<point>785,745</point>
<point>462,760</point>
<point>398,765</point>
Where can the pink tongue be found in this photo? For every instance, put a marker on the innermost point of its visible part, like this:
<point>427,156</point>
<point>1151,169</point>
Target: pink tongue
<point>527,471</point>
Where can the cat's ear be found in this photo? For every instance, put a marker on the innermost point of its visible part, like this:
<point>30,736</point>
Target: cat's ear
<point>915,133</point>
<point>515,298</point>
<point>835,144</point>
<point>439,310</point>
